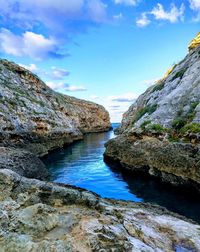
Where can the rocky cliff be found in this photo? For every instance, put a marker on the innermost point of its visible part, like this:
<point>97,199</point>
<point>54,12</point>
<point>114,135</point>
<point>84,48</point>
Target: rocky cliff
<point>160,133</point>
<point>38,119</point>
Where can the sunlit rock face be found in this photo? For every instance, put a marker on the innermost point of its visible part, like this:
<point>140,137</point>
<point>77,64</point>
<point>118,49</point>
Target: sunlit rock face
<point>160,133</point>
<point>195,42</point>
<point>37,118</point>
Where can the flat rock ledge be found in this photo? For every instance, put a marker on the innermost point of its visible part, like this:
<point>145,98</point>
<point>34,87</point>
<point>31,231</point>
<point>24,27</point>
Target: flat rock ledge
<point>172,162</point>
<point>42,216</point>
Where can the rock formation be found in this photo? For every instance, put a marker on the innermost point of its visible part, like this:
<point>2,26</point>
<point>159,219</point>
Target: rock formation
<point>30,112</point>
<point>38,119</point>
<point>160,133</point>
<point>37,216</point>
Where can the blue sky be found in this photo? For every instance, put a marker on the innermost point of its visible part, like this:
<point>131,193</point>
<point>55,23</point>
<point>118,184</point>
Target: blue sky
<point>108,52</point>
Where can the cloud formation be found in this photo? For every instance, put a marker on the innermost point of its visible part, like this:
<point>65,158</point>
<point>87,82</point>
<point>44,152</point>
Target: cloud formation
<point>129,97</point>
<point>29,44</point>
<point>126,2</point>
<point>59,19</point>
<point>172,15</point>
<point>61,86</point>
<point>195,4</point>
<point>143,20</point>
<point>59,73</point>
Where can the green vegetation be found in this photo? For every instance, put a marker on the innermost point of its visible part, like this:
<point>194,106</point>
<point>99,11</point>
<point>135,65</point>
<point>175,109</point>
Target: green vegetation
<point>144,124</point>
<point>183,120</point>
<point>191,128</point>
<point>158,86</point>
<point>156,128</point>
<point>179,123</point>
<point>179,74</point>
<point>147,126</point>
<point>148,109</point>
<point>191,112</point>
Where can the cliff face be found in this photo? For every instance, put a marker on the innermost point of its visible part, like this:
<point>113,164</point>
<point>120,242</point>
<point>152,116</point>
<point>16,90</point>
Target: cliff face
<point>160,133</point>
<point>33,115</point>
<point>175,96</point>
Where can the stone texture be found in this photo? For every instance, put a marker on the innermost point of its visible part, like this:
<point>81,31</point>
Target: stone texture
<point>159,148</point>
<point>22,162</point>
<point>39,216</point>
<point>176,163</point>
<point>39,119</point>
<point>171,96</point>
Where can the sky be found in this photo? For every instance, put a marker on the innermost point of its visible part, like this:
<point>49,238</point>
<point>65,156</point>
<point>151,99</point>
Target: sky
<point>107,52</point>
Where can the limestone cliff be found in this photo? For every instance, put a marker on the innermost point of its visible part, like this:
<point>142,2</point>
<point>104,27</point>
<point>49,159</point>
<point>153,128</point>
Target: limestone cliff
<point>160,133</point>
<point>34,116</point>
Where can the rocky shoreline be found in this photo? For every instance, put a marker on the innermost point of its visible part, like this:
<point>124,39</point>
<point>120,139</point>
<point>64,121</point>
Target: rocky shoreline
<point>41,216</point>
<point>174,163</point>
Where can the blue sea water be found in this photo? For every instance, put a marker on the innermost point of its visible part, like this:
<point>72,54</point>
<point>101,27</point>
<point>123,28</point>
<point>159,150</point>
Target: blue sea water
<point>81,164</point>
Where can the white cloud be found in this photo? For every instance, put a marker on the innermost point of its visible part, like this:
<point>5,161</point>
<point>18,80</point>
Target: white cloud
<point>59,73</point>
<point>195,4</point>
<point>31,67</point>
<point>54,14</point>
<point>173,15</point>
<point>143,20</point>
<point>129,97</point>
<point>61,86</point>
<point>118,17</point>
<point>29,44</point>
<point>75,88</point>
<point>126,2</point>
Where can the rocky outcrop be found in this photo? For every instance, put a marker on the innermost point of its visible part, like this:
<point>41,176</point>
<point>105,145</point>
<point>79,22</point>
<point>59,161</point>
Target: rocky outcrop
<point>23,162</point>
<point>35,119</point>
<point>175,163</point>
<point>39,119</point>
<point>39,216</point>
<point>160,133</point>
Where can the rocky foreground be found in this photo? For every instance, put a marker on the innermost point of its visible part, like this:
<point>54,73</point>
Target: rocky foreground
<point>37,119</point>
<point>40,216</point>
<point>160,133</point>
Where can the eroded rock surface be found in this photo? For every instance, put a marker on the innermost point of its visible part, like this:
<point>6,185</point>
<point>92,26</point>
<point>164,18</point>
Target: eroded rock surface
<point>39,216</point>
<point>160,133</point>
<point>22,162</point>
<point>37,118</point>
